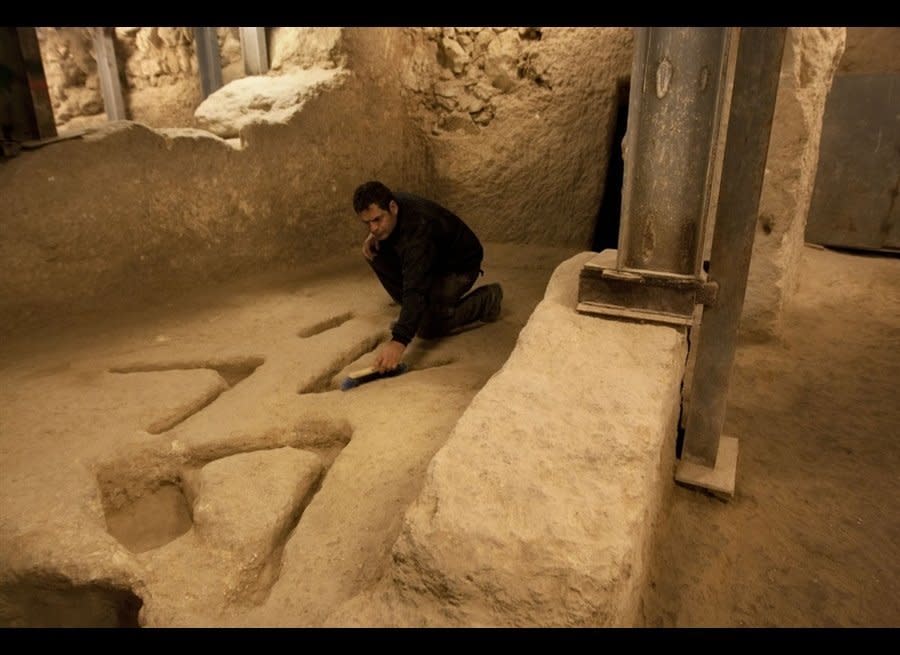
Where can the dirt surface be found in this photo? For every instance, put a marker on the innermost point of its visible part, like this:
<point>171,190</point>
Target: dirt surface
<point>113,421</point>
<point>812,536</point>
<point>810,539</point>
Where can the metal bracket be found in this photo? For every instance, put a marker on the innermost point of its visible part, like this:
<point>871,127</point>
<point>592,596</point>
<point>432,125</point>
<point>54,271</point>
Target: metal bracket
<point>605,290</point>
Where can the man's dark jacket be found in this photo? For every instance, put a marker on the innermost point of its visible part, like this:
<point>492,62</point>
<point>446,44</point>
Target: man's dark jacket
<point>427,241</point>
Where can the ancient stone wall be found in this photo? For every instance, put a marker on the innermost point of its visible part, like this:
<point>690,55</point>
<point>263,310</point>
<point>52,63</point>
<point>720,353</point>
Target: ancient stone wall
<point>518,121</point>
<point>810,59</point>
<point>519,124</point>
<point>509,127</point>
<point>158,69</point>
<point>71,72</point>
<point>129,214</point>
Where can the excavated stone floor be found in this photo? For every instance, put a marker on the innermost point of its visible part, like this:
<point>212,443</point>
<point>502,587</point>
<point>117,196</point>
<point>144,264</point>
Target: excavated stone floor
<point>194,464</point>
<point>197,464</point>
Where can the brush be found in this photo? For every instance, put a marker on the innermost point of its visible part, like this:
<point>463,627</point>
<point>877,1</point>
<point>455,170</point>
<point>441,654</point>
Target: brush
<point>368,374</point>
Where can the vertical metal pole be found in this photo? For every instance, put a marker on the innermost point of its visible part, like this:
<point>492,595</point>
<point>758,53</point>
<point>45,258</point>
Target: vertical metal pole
<point>254,51</point>
<point>673,117</point>
<point>18,121</point>
<point>37,82</point>
<point>749,127</point>
<point>208,60</point>
<point>108,71</point>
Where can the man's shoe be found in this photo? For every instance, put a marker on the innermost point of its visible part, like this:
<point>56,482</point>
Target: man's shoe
<point>492,303</point>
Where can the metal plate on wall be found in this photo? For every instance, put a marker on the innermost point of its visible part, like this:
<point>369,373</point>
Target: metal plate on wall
<point>855,200</point>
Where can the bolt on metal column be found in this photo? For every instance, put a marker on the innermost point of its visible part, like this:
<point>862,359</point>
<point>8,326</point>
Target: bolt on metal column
<point>749,128</point>
<point>210,64</point>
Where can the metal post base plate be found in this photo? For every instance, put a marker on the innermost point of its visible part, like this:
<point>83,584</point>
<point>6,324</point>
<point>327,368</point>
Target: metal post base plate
<point>719,480</point>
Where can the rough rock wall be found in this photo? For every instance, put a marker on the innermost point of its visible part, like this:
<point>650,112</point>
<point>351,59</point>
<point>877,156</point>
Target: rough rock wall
<point>519,124</point>
<point>811,57</point>
<point>304,47</point>
<point>510,127</point>
<point>159,71</point>
<point>71,71</point>
<point>131,213</point>
<point>262,99</point>
<point>157,68</point>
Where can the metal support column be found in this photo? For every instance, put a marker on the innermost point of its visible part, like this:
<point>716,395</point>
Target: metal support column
<point>207,44</point>
<point>108,71</point>
<point>37,82</point>
<point>254,50</point>
<point>675,109</point>
<point>673,121</point>
<point>706,460</point>
<point>25,111</point>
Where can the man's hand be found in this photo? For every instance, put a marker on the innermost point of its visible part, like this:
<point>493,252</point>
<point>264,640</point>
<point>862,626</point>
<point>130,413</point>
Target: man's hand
<point>370,247</point>
<point>389,356</point>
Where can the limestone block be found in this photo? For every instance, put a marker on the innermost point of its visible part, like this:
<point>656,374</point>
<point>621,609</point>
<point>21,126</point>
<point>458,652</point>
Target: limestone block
<point>540,509</point>
<point>261,98</point>
<point>246,502</point>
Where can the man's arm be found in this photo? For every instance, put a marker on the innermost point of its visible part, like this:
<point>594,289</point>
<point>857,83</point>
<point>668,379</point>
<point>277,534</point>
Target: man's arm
<point>418,256</point>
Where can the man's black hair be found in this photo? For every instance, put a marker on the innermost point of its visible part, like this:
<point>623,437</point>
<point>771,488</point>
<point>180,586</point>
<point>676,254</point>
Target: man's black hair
<point>370,192</point>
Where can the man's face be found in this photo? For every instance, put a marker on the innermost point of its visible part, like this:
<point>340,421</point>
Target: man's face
<point>381,222</point>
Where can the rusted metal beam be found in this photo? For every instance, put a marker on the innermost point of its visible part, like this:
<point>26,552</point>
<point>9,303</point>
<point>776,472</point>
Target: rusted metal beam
<point>673,124</point>
<point>208,60</point>
<point>673,118</point>
<point>746,148</point>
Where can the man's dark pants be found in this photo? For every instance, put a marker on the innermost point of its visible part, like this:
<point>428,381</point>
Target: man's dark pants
<point>446,309</point>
